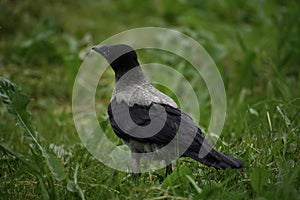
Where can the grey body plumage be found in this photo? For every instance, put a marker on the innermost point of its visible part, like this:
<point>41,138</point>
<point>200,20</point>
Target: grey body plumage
<point>135,88</point>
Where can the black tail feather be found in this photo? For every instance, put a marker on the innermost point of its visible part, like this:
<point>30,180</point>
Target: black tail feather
<point>216,159</point>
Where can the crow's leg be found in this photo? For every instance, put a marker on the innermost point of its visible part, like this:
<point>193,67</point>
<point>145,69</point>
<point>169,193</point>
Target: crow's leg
<point>135,164</point>
<point>169,169</point>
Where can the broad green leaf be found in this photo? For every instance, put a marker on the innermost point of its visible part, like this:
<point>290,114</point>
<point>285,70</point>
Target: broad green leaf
<point>258,178</point>
<point>55,166</point>
<point>15,103</point>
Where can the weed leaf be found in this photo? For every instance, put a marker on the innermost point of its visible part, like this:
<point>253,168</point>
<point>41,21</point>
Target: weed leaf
<point>20,157</point>
<point>259,178</point>
<point>55,166</point>
<point>15,103</point>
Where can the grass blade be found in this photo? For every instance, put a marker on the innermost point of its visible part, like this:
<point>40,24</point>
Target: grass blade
<point>73,186</point>
<point>198,189</point>
<point>284,116</point>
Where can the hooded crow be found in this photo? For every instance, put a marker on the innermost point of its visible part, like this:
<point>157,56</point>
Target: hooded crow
<point>149,121</point>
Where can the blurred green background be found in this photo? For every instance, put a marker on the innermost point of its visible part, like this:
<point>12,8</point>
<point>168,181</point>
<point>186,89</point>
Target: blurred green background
<point>255,44</point>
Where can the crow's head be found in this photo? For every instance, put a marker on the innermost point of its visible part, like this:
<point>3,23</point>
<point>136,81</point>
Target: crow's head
<point>121,57</point>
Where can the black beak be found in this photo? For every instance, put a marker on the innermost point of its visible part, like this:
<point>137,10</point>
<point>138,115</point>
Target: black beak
<point>102,49</point>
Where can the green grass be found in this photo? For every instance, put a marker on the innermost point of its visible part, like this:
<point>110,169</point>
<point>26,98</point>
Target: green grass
<point>255,45</point>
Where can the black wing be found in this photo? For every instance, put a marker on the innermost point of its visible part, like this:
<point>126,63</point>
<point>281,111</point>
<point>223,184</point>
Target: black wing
<point>127,123</point>
<point>131,123</point>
